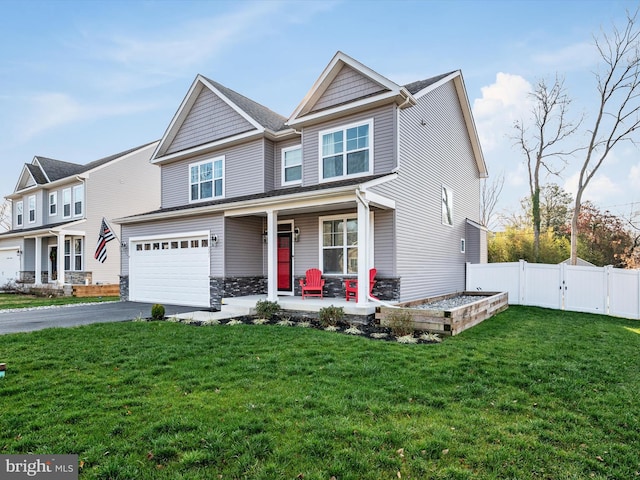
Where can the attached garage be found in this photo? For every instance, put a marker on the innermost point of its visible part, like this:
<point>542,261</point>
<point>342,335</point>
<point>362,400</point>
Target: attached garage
<point>170,270</point>
<point>9,264</point>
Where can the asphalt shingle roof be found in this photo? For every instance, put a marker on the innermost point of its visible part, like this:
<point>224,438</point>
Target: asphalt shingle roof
<point>261,114</point>
<point>415,87</point>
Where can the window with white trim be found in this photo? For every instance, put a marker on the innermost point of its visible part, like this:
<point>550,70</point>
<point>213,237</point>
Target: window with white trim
<point>447,206</point>
<point>32,208</point>
<point>53,204</point>
<point>339,245</point>
<point>19,213</point>
<point>73,253</point>
<point>206,180</point>
<point>78,200</point>
<point>66,202</point>
<point>292,165</point>
<point>346,151</point>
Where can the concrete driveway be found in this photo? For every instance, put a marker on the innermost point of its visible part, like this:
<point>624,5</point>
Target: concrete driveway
<point>74,315</point>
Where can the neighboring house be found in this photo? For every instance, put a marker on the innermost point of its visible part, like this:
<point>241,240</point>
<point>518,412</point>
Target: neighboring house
<point>57,212</point>
<point>365,173</point>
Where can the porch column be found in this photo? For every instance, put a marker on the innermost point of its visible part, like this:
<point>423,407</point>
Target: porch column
<point>363,250</point>
<point>60,258</point>
<point>272,252</point>
<point>38,260</point>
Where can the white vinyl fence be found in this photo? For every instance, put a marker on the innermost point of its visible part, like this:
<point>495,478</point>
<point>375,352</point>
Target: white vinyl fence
<point>605,290</point>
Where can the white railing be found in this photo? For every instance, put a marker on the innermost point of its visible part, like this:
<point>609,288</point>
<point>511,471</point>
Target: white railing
<point>605,290</point>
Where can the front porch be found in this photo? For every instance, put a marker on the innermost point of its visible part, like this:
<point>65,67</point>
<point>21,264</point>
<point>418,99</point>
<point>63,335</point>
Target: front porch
<point>290,305</point>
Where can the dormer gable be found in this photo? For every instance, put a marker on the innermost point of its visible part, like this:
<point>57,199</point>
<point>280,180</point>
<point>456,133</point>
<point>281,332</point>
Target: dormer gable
<point>344,86</point>
<point>211,114</point>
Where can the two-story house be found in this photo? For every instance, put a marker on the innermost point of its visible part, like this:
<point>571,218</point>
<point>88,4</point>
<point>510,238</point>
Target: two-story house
<point>57,212</point>
<point>364,173</point>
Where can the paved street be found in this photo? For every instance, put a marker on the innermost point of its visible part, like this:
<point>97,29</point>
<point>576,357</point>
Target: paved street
<point>74,315</point>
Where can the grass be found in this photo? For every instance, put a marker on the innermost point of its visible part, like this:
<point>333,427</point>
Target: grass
<point>11,300</point>
<point>530,393</point>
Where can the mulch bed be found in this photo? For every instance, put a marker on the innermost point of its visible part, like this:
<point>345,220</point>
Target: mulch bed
<point>373,332</point>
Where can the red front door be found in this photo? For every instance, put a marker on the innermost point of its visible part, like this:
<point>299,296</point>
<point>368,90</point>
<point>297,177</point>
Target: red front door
<point>285,273</point>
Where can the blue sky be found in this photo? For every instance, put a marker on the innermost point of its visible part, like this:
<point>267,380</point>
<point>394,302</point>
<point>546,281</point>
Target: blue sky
<point>80,80</point>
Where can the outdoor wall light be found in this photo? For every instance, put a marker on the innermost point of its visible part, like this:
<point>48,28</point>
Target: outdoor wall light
<point>296,234</point>
<point>19,252</point>
<point>124,245</point>
<point>214,240</point>
<point>265,237</point>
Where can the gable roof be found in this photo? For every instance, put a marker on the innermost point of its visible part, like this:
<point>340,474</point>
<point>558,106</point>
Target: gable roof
<point>388,91</point>
<point>420,85</point>
<point>261,120</point>
<point>44,170</point>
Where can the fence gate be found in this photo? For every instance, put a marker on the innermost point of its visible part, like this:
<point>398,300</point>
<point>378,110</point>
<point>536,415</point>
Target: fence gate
<point>604,290</point>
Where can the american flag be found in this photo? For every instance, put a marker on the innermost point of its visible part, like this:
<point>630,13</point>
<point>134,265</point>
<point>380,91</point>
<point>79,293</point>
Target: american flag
<point>105,235</point>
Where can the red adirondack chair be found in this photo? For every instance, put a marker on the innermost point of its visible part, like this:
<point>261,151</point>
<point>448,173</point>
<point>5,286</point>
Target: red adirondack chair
<point>313,283</point>
<point>351,285</point>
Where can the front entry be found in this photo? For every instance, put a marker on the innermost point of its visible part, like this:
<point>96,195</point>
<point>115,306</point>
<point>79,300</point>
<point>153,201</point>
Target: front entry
<point>53,263</point>
<point>285,262</point>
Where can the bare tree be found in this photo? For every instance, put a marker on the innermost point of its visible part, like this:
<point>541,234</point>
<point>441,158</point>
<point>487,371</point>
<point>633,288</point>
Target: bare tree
<point>542,142</point>
<point>5,216</point>
<point>489,195</point>
<point>619,107</point>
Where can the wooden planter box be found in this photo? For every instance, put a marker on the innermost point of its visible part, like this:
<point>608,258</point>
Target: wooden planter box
<point>448,322</point>
<point>112,290</point>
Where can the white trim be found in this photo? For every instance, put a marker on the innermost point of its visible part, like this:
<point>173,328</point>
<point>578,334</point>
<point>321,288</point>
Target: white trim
<point>282,165</point>
<point>68,189</point>
<point>328,75</point>
<point>21,203</point>
<point>321,219</point>
<point>437,84</point>
<point>53,194</point>
<point>74,200</point>
<point>344,128</point>
<point>29,209</point>
<point>212,161</point>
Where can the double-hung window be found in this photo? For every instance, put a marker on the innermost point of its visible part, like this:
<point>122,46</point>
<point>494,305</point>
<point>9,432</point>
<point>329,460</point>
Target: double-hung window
<point>73,253</point>
<point>66,202</point>
<point>78,200</point>
<point>19,214</point>
<point>346,151</point>
<point>53,204</point>
<point>32,208</point>
<point>206,180</point>
<point>339,250</point>
<point>292,165</point>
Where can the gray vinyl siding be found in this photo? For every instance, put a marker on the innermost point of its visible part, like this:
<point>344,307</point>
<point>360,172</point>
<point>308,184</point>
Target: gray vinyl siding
<point>269,174</point>
<point>347,86</point>
<point>213,223</point>
<point>243,173</point>
<point>476,244</point>
<point>428,258</point>
<point>244,251</point>
<point>384,242</point>
<point>277,160</point>
<point>384,142</point>
<point>209,119</point>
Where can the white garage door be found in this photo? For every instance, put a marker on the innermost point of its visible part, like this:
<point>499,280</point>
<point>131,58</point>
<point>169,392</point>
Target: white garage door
<point>172,270</point>
<point>9,265</point>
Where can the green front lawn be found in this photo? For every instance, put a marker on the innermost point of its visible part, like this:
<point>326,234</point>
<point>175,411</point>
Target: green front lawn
<point>530,393</point>
<point>11,300</point>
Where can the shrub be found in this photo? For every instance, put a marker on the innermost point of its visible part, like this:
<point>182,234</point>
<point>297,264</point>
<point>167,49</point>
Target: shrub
<point>331,316</point>
<point>267,309</point>
<point>400,323</point>
<point>157,312</point>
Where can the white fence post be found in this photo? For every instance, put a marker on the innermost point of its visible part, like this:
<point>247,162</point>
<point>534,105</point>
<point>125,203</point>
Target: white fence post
<point>522,291</point>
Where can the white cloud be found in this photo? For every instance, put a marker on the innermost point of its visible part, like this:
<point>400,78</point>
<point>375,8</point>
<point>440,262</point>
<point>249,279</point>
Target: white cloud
<point>634,176</point>
<point>572,57</point>
<point>46,111</point>
<point>501,104</point>
<point>600,188</point>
